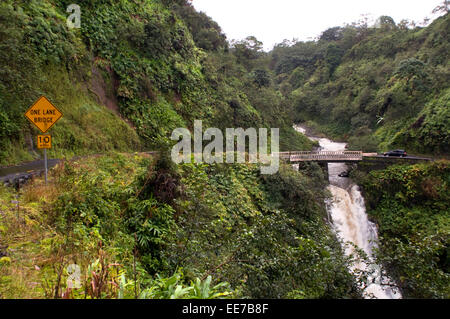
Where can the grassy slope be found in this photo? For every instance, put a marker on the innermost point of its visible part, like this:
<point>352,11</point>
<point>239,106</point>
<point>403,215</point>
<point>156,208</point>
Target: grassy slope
<point>37,246</point>
<point>55,65</point>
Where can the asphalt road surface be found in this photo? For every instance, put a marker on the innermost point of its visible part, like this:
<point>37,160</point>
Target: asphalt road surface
<point>34,167</point>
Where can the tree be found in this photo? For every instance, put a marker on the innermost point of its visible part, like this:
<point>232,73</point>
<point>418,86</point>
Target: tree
<point>403,25</point>
<point>410,68</point>
<point>247,50</point>
<point>385,22</point>
<point>444,7</point>
<point>206,33</point>
<point>333,56</point>
<point>250,43</point>
<point>287,59</point>
<point>332,34</point>
<point>261,77</point>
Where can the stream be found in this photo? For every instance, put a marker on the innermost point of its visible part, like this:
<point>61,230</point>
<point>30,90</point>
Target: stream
<point>350,222</point>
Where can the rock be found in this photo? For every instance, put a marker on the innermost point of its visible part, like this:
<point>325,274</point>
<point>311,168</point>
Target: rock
<point>19,180</point>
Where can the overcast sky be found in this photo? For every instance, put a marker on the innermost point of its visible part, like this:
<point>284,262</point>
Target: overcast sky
<point>272,21</point>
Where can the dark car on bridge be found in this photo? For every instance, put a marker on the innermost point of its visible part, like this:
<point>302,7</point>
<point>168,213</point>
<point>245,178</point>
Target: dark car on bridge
<point>344,174</point>
<point>400,153</point>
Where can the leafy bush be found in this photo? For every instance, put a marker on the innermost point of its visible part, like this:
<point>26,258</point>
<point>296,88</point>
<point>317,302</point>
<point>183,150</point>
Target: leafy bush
<point>411,206</point>
<point>172,288</point>
<point>264,235</point>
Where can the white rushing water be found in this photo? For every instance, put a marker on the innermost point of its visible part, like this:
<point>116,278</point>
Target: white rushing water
<point>348,214</point>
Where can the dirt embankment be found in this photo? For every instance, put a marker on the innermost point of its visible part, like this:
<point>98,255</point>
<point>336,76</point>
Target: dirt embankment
<point>104,84</point>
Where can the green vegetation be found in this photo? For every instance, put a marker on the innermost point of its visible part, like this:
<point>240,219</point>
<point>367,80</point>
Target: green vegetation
<point>411,205</point>
<point>87,216</point>
<point>376,87</point>
<point>140,228</point>
<point>133,72</point>
<point>265,235</point>
<point>39,56</point>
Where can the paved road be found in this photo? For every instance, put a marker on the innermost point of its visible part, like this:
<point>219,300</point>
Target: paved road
<point>398,157</point>
<point>34,167</point>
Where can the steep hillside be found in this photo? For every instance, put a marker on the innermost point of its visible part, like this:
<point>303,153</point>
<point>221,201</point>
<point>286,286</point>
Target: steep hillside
<point>411,206</point>
<point>146,227</point>
<point>377,87</point>
<point>138,227</point>
<point>131,74</point>
<point>40,56</point>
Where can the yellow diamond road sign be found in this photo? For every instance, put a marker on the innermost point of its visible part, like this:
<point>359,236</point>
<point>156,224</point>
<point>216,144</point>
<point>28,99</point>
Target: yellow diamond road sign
<point>43,114</point>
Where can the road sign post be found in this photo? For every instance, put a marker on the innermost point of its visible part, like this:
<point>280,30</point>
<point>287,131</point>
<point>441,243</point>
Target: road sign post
<point>44,142</point>
<point>46,167</point>
<point>43,114</point>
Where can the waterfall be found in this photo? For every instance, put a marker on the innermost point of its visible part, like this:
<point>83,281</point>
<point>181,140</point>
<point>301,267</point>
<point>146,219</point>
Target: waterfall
<point>350,222</point>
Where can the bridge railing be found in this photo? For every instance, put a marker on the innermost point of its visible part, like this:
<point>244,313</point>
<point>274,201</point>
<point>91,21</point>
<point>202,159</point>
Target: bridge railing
<point>321,156</point>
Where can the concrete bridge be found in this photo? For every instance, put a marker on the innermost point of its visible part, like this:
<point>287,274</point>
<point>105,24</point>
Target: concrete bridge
<point>343,157</point>
<point>365,161</point>
<point>322,156</point>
